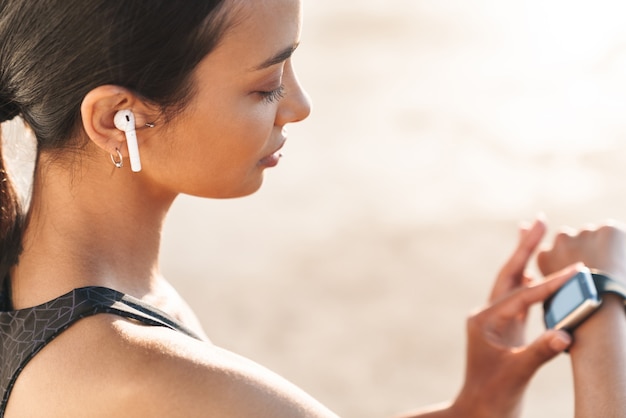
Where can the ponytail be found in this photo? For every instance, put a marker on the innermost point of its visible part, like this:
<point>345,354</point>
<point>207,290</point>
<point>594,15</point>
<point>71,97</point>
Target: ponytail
<point>12,220</point>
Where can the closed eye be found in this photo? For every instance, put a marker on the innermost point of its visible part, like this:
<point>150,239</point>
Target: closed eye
<point>273,96</point>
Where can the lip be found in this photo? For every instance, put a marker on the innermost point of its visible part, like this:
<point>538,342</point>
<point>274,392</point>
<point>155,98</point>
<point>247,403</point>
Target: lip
<point>272,159</point>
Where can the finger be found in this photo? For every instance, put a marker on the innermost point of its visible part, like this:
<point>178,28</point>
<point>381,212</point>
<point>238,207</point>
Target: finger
<point>524,227</point>
<point>512,274</point>
<point>518,302</point>
<point>559,254</point>
<point>529,240</point>
<point>544,258</point>
<point>544,348</point>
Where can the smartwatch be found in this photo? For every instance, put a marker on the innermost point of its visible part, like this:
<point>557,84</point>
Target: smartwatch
<point>579,298</point>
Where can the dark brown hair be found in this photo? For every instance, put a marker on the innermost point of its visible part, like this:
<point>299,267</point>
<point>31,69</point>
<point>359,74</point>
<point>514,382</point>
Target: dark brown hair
<point>53,52</point>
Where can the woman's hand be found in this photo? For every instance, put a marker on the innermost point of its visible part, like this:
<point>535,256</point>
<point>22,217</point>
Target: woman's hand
<point>602,248</point>
<point>500,363</point>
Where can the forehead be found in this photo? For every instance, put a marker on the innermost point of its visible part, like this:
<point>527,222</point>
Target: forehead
<point>260,29</point>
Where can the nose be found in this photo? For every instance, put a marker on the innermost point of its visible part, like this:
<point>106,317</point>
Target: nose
<point>296,105</point>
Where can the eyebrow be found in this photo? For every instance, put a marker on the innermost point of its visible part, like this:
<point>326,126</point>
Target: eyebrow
<point>283,55</point>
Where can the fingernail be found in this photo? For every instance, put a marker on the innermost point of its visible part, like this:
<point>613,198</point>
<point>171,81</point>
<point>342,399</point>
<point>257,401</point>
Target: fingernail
<point>561,341</point>
<point>574,268</point>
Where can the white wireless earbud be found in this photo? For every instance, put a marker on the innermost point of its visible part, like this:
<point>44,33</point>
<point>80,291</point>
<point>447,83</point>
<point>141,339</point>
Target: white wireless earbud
<point>125,121</point>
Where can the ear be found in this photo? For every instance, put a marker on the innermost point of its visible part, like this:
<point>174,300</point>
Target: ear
<point>98,110</point>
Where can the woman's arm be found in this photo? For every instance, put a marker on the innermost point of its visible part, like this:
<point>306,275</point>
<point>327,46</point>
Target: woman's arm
<point>599,362</point>
<point>598,354</point>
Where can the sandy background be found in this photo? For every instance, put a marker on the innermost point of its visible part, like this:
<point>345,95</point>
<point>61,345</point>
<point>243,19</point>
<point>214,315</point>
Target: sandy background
<point>437,126</point>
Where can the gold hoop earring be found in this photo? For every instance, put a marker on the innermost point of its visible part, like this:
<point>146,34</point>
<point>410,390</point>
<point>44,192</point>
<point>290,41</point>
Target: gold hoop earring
<point>119,163</point>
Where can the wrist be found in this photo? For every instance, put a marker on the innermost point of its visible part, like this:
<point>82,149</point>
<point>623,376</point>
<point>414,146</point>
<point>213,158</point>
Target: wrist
<point>466,405</point>
<point>477,401</point>
<point>604,331</point>
<point>598,361</point>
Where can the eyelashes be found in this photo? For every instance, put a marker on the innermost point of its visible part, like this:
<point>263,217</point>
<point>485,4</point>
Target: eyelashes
<point>273,96</point>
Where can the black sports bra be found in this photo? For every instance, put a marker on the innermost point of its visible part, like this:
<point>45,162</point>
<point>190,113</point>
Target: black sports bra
<point>25,332</point>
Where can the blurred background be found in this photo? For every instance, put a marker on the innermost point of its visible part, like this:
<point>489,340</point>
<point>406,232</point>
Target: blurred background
<point>438,126</point>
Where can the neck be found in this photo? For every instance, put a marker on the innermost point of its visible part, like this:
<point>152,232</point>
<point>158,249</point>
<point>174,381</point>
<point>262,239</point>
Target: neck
<point>92,226</point>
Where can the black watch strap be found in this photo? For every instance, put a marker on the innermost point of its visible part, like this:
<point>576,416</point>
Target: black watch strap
<point>604,284</point>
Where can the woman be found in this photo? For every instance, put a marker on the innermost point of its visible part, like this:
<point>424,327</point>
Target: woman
<point>90,327</point>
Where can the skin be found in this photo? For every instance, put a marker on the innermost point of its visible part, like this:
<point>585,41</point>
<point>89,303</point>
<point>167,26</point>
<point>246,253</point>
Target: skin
<point>597,356</point>
<point>93,224</point>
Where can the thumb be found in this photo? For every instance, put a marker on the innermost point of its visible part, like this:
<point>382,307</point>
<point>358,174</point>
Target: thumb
<point>546,347</point>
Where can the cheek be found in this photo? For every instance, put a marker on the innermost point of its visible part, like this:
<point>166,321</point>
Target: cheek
<point>256,116</point>
<point>230,152</point>
<point>243,140</point>
<point>214,151</point>
<point>249,134</point>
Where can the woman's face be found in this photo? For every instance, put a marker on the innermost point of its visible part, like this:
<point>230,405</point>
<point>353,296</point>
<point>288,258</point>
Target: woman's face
<point>233,128</point>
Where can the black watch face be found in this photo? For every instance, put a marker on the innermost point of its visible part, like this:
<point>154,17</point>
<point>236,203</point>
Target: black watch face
<point>572,303</point>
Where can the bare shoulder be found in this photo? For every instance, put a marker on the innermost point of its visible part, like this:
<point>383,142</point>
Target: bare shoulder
<point>110,366</point>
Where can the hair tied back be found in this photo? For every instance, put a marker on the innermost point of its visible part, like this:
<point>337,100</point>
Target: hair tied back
<point>8,111</point>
